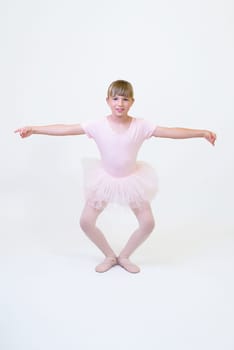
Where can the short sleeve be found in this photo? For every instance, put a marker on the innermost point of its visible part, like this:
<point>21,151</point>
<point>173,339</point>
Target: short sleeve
<point>147,128</point>
<point>90,128</point>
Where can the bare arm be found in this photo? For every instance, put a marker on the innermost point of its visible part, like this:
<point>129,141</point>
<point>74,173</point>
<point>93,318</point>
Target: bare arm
<point>53,130</point>
<point>182,133</point>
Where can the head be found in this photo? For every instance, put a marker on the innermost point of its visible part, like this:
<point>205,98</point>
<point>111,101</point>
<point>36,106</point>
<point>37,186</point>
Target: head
<point>120,88</point>
<point>120,97</point>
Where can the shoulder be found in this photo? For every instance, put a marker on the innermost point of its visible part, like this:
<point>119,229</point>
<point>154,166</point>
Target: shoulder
<point>146,127</point>
<point>143,121</point>
<point>91,127</point>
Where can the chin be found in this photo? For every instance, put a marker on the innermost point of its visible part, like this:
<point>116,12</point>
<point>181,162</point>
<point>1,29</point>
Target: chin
<point>120,114</point>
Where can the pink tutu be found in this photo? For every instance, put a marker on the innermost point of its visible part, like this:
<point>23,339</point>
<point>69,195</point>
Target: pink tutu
<point>102,188</point>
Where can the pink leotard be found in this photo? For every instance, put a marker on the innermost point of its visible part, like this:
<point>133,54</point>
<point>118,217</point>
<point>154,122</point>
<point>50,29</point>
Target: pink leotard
<point>119,150</point>
<point>119,177</point>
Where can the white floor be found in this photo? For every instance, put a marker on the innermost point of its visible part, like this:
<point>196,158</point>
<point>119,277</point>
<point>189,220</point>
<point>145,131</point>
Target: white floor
<point>182,299</point>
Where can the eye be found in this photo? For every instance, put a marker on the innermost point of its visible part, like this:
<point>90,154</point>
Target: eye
<point>126,99</point>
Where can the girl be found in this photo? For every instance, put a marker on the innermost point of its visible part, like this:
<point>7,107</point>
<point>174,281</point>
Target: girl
<point>119,177</point>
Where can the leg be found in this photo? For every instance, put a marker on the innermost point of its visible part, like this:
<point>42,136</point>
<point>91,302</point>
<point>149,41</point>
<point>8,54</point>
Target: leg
<point>88,224</point>
<point>145,219</point>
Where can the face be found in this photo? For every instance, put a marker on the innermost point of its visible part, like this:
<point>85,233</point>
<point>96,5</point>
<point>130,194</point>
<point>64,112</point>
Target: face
<point>119,105</point>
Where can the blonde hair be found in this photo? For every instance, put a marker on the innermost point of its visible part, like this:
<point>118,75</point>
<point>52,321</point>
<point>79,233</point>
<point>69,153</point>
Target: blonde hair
<point>120,88</point>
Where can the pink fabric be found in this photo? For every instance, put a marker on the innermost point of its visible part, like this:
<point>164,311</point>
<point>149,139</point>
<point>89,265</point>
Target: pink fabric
<point>119,177</point>
<point>119,150</point>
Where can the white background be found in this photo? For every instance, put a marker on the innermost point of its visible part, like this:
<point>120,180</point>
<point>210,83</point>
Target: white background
<point>57,60</point>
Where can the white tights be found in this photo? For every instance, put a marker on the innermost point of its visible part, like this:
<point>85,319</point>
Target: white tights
<point>146,225</point>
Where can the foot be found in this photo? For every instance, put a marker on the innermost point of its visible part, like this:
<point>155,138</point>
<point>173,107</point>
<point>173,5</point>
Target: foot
<point>128,265</point>
<point>107,264</point>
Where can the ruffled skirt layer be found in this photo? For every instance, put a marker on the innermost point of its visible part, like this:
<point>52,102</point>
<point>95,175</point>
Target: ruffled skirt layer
<point>102,188</point>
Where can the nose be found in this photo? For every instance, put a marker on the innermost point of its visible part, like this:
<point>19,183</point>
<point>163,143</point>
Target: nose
<point>120,102</point>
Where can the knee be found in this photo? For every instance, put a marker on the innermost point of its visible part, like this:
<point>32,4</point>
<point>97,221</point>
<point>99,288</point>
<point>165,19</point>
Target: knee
<point>85,224</point>
<point>148,226</point>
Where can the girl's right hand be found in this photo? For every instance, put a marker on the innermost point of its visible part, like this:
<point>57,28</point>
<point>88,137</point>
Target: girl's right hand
<point>25,131</point>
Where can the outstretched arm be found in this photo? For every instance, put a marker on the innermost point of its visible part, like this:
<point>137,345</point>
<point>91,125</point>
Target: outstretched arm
<point>53,130</point>
<point>182,133</point>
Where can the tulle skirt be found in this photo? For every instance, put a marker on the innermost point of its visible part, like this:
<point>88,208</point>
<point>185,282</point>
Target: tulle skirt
<point>102,188</point>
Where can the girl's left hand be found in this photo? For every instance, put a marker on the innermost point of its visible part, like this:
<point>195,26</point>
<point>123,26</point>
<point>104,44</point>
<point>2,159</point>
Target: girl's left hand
<point>210,136</point>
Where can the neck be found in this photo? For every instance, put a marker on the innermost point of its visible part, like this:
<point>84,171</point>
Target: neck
<point>120,119</point>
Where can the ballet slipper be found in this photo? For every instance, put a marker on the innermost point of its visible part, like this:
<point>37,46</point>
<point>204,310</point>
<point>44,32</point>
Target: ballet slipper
<point>107,264</point>
<point>128,265</point>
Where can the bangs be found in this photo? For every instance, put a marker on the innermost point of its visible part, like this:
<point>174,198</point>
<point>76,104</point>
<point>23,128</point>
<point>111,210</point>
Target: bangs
<point>120,88</point>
